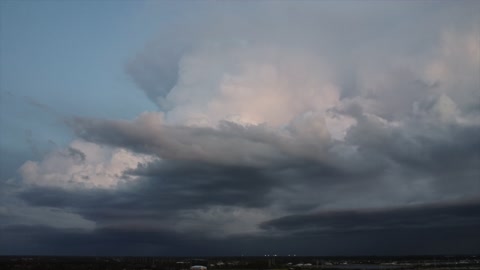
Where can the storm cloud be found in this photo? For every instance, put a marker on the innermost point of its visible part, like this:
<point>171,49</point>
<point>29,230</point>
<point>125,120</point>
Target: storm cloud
<point>347,128</point>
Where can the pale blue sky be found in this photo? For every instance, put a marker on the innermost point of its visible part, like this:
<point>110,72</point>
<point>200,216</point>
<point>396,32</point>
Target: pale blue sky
<point>69,56</point>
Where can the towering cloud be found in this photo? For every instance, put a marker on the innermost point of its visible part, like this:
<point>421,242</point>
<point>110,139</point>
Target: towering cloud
<point>285,120</point>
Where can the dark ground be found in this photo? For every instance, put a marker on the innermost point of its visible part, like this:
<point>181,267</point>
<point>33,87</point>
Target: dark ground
<point>280,262</point>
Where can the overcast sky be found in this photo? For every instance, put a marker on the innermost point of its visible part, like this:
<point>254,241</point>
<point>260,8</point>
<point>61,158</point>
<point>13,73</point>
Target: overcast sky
<point>239,127</point>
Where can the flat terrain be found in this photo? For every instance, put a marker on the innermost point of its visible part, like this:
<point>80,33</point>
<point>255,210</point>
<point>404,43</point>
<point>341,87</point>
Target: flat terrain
<point>219,263</point>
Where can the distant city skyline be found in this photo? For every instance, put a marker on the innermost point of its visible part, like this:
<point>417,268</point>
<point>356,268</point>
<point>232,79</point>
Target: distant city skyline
<point>162,128</point>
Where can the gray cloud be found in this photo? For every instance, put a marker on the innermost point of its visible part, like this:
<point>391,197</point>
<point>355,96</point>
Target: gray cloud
<point>418,153</point>
<point>404,218</point>
<point>345,125</point>
<point>167,187</point>
<point>229,143</point>
<point>76,154</point>
<point>156,75</point>
<point>392,239</point>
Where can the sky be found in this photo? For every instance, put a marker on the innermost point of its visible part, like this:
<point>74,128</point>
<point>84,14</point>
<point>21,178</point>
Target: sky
<point>213,128</point>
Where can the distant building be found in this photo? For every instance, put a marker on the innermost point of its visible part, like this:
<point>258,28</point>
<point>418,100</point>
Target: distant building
<point>199,264</point>
<point>198,267</point>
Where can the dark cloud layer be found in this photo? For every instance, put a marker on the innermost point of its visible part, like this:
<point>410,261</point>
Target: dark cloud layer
<point>294,182</point>
<point>407,231</point>
<point>407,218</point>
<point>165,188</point>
